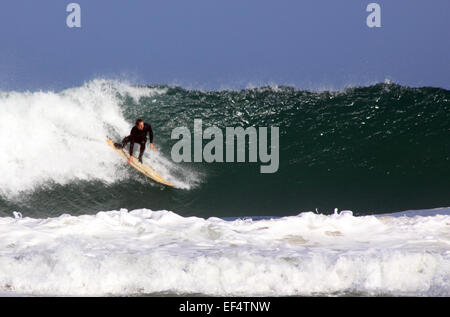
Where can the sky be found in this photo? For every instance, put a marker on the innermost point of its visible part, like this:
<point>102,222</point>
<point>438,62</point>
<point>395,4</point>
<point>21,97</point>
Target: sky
<point>224,44</point>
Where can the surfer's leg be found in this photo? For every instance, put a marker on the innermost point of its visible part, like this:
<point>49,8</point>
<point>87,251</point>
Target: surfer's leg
<point>122,145</point>
<point>130,140</point>
<point>131,148</point>
<point>125,141</point>
<point>141,151</point>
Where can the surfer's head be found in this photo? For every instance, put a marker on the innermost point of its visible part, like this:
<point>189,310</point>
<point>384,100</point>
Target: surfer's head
<point>140,124</point>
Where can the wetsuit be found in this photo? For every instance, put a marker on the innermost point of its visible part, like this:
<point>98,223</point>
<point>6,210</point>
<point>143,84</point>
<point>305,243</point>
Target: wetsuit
<point>138,136</point>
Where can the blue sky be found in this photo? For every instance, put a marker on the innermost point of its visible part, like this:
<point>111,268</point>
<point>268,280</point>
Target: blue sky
<point>211,44</point>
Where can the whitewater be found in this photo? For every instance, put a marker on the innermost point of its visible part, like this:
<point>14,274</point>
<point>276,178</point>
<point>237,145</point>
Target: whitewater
<point>145,252</point>
<point>50,136</point>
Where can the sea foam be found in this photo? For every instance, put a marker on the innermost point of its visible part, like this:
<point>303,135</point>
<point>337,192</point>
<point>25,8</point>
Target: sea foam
<point>153,252</point>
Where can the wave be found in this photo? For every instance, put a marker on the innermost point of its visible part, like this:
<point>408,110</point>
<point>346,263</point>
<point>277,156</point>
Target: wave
<point>138,252</point>
<point>373,149</point>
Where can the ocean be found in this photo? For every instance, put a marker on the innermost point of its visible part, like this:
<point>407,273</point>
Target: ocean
<point>359,204</point>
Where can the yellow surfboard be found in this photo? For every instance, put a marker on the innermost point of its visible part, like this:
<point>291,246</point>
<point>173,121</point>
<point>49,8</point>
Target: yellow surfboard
<point>141,167</point>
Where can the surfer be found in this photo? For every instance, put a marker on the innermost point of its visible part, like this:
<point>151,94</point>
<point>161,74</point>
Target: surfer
<point>138,134</point>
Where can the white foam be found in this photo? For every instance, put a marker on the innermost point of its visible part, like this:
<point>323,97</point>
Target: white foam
<point>144,251</point>
<point>59,137</point>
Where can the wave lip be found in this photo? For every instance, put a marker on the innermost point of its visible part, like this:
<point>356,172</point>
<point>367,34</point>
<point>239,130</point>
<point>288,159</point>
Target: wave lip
<point>150,252</point>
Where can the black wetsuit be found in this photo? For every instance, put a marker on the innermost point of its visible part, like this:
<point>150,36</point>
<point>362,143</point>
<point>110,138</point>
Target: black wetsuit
<point>138,136</point>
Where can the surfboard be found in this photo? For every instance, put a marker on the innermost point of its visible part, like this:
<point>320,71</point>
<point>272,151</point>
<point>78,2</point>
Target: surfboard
<point>141,167</point>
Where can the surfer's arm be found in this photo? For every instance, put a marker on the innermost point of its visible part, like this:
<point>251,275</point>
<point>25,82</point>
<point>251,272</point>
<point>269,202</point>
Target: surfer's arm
<point>150,132</point>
